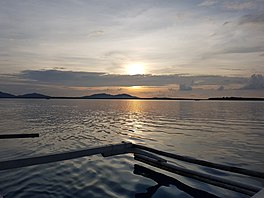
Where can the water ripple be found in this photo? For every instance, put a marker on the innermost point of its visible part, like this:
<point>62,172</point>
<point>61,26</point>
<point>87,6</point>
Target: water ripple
<point>230,133</point>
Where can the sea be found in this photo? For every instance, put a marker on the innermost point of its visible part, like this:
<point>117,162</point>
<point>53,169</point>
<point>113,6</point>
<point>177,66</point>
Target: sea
<point>227,132</point>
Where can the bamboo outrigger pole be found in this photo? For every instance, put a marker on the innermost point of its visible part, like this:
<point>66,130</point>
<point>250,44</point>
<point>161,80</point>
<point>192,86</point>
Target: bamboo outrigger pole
<point>115,149</point>
<point>17,135</point>
<point>203,162</point>
<point>210,179</point>
<point>147,155</point>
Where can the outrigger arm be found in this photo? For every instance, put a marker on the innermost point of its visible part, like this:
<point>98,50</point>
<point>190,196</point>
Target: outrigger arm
<point>149,156</point>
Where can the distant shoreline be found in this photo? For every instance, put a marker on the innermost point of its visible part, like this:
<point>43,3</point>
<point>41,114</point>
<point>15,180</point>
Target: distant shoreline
<point>155,98</point>
<point>104,96</point>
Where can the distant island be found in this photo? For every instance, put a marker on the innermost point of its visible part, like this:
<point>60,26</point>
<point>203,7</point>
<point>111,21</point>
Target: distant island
<point>6,95</point>
<point>118,96</point>
<point>235,98</point>
<point>94,96</point>
<point>109,96</point>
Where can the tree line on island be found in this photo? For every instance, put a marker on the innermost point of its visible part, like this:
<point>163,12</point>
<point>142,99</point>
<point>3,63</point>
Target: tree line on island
<point>110,96</point>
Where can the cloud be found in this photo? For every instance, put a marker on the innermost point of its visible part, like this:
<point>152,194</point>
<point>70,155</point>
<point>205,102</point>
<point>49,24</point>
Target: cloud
<point>172,90</point>
<point>240,5</point>
<point>244,49</point>
<point>184,87</point>
<point>96,33</point>
<point>101,79</point>
<point>97,79</point>
<point>208,3</point>
<point>252,18</point>
<point>225,23</point>
<point>78,35</point>
<point>73,83</point>
<point>221,88</point>
<point>232,5</point>
<point>256,81</point>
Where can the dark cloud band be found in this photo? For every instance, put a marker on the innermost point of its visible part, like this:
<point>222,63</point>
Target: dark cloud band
<point>97,79</point>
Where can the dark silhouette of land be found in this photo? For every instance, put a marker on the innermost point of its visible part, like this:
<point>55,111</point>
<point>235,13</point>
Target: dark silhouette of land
<point>6,95</point>
<point>235,98</point>
<point>118,96</point>
<point>109,96</point>
<point>33,95</point>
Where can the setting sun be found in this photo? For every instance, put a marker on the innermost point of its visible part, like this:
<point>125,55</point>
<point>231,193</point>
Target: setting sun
<point>135,87</point>
<point>134,69</point>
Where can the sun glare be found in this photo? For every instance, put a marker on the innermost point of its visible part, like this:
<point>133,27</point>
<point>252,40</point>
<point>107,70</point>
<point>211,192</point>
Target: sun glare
<point>134,69</point>
<point>135,87</point>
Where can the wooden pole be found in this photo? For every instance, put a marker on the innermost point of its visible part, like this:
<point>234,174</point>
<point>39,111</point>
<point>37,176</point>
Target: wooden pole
<point>165,180</point>
<point>203,162</point>
<point>231,185</point>
<point>25,135</point>
<point>114,149</point>
<point>260,194</point>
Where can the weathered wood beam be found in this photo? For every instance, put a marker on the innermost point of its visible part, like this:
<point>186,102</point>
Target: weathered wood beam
<point>260,194</point>
<point>19,163</point>
<point>210,179</point>
<point>203,162</point>
<point>165,180</point>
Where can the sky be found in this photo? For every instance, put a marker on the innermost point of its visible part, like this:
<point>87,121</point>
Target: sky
<point>146,48</point>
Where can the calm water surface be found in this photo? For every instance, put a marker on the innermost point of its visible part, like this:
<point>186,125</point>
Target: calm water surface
<point>224,132</point>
